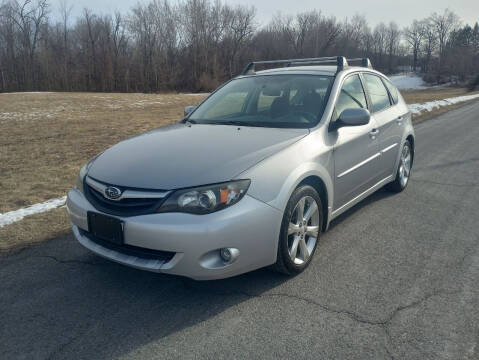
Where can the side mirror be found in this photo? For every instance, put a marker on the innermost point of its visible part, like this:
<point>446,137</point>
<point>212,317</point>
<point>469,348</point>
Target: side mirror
<point>189,110</point>
<point>351,117</point>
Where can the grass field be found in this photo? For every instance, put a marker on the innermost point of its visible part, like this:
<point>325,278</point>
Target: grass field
<point>46,137</point>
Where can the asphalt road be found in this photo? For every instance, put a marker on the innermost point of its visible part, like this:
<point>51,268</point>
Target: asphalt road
<point>395,277</point>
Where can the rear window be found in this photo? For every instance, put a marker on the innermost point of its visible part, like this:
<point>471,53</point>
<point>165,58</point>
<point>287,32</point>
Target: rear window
<point>377,92</point>
<point>392,90</point>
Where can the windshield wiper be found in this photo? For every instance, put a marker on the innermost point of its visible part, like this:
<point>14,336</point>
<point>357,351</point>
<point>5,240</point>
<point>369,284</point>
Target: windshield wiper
<point>186,120</point>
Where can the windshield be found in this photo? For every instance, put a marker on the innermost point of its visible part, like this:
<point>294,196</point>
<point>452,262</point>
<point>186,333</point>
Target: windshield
<point>296,101</point>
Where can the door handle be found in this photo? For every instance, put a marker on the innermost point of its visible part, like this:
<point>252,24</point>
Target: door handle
<point>399,120</point>
<point>373,133</point>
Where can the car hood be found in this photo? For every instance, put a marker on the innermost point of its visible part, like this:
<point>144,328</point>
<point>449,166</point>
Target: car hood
<point>180,155</point>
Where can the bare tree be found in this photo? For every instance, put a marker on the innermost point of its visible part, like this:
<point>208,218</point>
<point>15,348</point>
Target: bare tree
<point>65,13</point>
<point>29,17</point>
<point>444,24</point>
<point>380,43</point>
<point>392,37</point>
<point>296,31</point>
<point>239,31</point>
<point>414,35</point>
<point>430,44</point>
<point>197,44</point>
<point>326,31</point>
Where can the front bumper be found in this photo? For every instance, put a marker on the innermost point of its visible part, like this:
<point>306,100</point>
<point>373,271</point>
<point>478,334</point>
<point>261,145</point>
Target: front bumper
<point>250,226</point>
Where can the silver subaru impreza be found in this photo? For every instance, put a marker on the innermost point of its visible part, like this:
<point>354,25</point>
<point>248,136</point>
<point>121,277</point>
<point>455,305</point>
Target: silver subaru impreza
<point>252,176</point>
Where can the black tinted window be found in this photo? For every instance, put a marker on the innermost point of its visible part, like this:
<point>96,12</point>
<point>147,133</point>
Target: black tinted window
<point>392,90</point>
<point>377,92</point>
<point>351,95</point>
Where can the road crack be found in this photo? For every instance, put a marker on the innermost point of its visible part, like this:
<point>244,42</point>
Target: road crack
<point>80,262</point>
<point>354,316</point>
<point>383,323</point>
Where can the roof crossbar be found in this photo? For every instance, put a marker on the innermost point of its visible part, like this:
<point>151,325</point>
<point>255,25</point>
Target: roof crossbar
<point>341,63</point>
<point>365,62</point>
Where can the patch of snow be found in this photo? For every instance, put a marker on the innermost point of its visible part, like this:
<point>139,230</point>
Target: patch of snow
<point>408,82</point>
<point>431,105</point>
<point>17,215</point>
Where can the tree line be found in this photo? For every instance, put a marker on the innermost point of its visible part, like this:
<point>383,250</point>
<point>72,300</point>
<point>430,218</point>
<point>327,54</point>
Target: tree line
<point>195,45</point>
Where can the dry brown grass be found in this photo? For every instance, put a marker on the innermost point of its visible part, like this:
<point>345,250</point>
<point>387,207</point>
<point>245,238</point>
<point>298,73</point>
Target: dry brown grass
<point>422,96</point>
<point>45,138</point>
<point>34,230</point>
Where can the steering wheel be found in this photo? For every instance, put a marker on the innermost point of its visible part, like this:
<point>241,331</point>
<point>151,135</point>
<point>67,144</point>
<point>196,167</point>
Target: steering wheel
<point>304,115</point>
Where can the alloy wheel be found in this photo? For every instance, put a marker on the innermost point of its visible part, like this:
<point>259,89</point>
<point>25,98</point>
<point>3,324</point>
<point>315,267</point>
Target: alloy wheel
<point>303,230</point>
<point>405,165</point>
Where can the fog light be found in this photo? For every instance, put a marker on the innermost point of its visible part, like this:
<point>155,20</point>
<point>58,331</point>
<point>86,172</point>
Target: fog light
<point>228,255</point>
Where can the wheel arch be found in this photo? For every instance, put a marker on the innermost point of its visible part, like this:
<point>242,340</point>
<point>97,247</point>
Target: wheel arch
<point>318,184</point>
<point>410,138</point>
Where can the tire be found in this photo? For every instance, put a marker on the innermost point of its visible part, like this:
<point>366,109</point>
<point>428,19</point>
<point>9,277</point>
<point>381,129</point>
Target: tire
<point>297,236</point>
<point>403,173</point>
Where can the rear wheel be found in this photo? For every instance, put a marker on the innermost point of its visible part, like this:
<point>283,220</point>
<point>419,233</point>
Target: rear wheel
<point>404,169</point>
<point>300,230</point>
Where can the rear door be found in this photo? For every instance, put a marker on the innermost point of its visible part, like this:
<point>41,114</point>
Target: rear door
<point>386,115</point>
<point>356,149</point>
<point>399,115</point>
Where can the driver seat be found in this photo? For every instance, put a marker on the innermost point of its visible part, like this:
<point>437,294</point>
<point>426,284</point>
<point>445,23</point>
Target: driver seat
<point>279,107</point>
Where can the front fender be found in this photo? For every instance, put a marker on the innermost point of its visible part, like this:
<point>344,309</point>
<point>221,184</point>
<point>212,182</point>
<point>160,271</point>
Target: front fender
<point>274,179</point>
<point>297,176</point>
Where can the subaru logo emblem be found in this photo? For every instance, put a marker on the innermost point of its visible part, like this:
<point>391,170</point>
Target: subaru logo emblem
<point>112,193</point>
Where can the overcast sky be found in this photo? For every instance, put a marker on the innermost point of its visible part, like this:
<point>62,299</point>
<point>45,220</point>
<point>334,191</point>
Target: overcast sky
<point>401,11</point>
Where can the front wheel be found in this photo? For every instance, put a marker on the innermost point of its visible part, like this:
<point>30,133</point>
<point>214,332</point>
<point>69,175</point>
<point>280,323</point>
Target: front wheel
<point>404,169</point>
<point>300,229</point>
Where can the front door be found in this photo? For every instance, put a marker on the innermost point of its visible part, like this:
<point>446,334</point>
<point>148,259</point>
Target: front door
<point>356,149</point>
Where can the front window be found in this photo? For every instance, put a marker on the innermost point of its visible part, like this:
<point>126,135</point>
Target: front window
<point>377,92</point>
<point>295,101</point>
<point>351,95</point>
<point>393,91</point>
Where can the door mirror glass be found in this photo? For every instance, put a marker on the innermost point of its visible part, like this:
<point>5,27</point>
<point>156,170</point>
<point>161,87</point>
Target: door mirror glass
<point>189,110</point>
<point>352,117</point>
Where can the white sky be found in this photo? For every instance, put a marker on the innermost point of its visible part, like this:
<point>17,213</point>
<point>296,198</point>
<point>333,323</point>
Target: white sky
<point>401,11</point>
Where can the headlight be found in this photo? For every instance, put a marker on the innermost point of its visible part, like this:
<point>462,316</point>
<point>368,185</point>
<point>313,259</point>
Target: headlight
<point>81,177</point>
<point>206,199</point>
<point>83,172</point>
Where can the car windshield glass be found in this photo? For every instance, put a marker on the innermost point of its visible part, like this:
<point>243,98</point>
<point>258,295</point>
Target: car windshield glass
<point>295,101</point>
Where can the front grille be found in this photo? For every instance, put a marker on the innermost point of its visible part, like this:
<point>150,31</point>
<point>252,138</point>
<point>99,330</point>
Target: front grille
<point>143,253</point>
<point>124,207</point>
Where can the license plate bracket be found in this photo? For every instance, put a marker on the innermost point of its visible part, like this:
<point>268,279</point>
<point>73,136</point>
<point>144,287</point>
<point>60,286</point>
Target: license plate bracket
<point>105,227</point>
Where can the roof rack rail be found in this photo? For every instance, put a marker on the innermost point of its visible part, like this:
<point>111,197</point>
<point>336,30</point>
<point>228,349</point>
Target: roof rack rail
<point>340,61</point>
